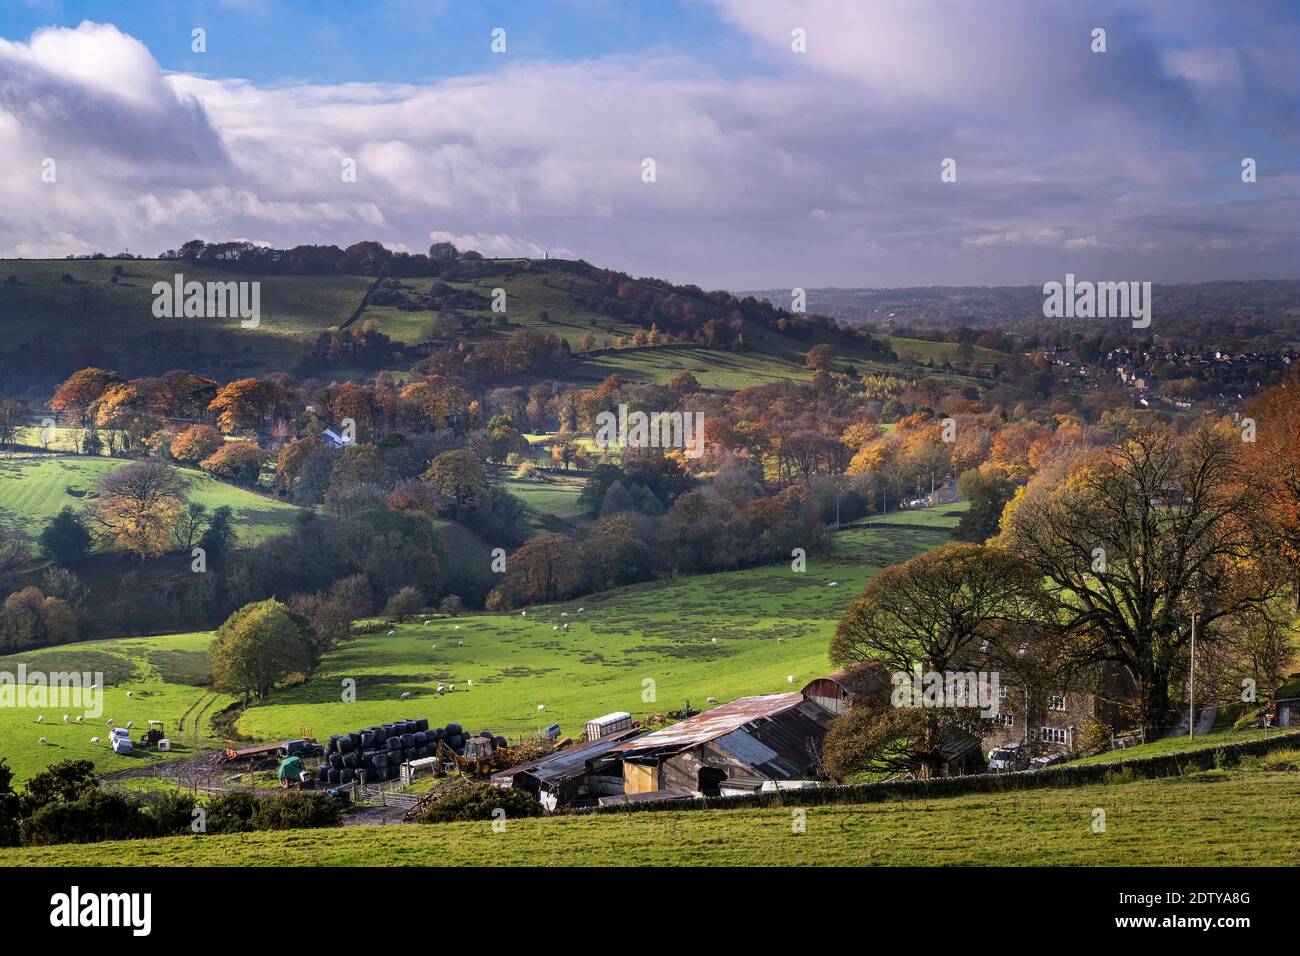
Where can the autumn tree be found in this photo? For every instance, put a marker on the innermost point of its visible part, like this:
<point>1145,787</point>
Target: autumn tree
<point>237,461</point>
<point>401,606</point>
<point>196,443</point>
<point>460,478</point>
<point>243,405</point>
<point>1133,539</point>
<point>137,506</point>
<point>960,608</point>
<point>545,568</point>
<point>77,397</point>
<point>256,648</point>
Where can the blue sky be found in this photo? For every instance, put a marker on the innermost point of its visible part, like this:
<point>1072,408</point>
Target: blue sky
<point>774,166</point>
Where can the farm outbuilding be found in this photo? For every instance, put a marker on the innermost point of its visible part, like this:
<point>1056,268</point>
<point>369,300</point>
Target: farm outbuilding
<point>560,778</point>
<point>834,691</point>
<point>748,744</point>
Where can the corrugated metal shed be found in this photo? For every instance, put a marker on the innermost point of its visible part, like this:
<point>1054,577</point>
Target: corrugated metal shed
<point>566,764</point>
<point>648,796</point>
<point>712,724</point>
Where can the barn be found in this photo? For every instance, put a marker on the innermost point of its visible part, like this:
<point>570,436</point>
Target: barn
<point>834,691</point>
<point>586,770</point>
<point>748,744</point>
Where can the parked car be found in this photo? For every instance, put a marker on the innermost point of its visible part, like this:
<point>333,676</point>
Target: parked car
<point>1048,760</point>
<point>120,740</point>
<point>1006,759</point>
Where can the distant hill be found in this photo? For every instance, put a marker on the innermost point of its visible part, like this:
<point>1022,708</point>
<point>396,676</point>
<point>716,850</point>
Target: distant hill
<point>57,316</point>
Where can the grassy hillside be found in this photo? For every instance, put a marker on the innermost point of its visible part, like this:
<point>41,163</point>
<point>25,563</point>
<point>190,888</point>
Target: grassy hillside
<point>721,635</point>
<point>1182,821</point>
<point>42,309</point>
<point>770,624</point>
<point>35,488</point>
<point>166,676</point>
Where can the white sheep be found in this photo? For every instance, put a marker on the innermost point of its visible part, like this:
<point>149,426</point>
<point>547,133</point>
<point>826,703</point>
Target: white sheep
<point>712,700</point>
<point>469,683</point>
<point>566,627</point>
<point>541,707</point>
<point>564,614</point>
<point>523,613</point>
<point>109,721</point>
<point>441,688</point>
<point>405,695</point>
<point>780,640</point>
<point>581,609</point>
<point>789,678</point>
<point>555,627</point>
<point>833,584</point>
<point>460,643</point>
<point>427,623</point>
<point>79,718</point>
<point>128,693</point>
<point>95,741</point>
<point>713,640</point>
<point>435,647</point>
<point>66,718</point>
<point>40,719</point>
<point>391,633</point>
<point>457,627</point>
<point>44,741</point>
<point>130,724</point>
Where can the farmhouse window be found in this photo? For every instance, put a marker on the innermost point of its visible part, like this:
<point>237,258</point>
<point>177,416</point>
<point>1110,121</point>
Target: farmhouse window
<point>1056,702</point>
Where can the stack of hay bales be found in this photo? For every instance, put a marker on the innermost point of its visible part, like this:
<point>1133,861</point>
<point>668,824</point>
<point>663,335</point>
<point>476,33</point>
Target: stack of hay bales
<point>379,752</point>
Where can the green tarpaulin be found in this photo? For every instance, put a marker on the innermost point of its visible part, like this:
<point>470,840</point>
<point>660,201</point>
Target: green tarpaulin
<point>290,768</point>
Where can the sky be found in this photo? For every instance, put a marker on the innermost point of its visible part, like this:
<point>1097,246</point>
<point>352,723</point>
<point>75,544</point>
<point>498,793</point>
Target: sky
<point>795,144</point>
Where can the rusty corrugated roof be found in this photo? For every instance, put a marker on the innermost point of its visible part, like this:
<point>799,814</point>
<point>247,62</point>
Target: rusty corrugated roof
<point>714,723</point>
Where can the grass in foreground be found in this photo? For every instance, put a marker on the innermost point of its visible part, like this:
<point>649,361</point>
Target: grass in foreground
<point>1241,818</point>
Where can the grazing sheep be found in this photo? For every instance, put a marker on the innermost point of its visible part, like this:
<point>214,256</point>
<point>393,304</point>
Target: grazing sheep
<point>581,609</point>
<point>713,640</point>
<point>789,679</point>
<point>441,689</point>
<point>130,724</point>
<point>44,741</point>
<point>712,700</point>
<point>405,696</point>
<point>833,584</point>
<point>541,707</point>
<point>109,721</point>
<point>128,693</point>
<point>427,623</point>
<point>435,647</point>
<point>40,719</point>
<point>95,741</point>
<point>780,640</point>
<point>457,627</point>
<point>453,687</point>
<point>469,683</point>
<point>566,627</point>
<point>391,633</point>
<point>460,643</point>
<point>66,718</point>
<point>555,627</point>
<point>79,716</point>
<point>523,613</point>
<point>564,614</point>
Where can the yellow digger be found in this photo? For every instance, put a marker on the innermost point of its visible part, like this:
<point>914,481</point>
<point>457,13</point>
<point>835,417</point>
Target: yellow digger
<point>479,759</point>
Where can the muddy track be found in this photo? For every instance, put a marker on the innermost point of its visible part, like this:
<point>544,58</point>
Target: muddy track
<point>197,728</point>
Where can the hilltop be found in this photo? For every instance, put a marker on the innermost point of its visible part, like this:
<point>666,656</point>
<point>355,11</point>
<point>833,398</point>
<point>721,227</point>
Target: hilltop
<point>60,315</point>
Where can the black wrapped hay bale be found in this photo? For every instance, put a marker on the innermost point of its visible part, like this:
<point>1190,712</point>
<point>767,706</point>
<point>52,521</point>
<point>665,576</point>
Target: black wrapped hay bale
<point>422,724</point>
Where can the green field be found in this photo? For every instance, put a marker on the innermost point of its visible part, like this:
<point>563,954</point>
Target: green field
<point>166,677</point>
<point>1182,743</point>
<point>1244,818</point>
<point>769,623</point>
<point>41,308</point>
<point>34,488</point>
<point>550,495</point>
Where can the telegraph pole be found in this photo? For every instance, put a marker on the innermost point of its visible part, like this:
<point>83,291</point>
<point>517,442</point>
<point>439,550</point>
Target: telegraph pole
<point>1191,686</point>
